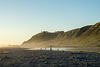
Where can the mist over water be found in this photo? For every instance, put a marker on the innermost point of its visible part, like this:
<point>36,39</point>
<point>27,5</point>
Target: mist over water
<point>68,48</point>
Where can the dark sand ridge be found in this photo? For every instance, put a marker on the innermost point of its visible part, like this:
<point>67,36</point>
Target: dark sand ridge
<point>19,57</point>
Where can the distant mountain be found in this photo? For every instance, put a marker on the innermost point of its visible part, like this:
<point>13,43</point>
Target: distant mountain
<point>85,36</point>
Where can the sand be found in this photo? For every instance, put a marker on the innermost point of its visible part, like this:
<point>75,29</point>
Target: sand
<point>19,57</point>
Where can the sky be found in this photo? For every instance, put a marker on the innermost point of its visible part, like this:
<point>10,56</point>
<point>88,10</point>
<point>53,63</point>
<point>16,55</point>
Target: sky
<point>21,19</point>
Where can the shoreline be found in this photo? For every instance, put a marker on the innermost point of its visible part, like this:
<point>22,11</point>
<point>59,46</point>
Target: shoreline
<point>73,49</point>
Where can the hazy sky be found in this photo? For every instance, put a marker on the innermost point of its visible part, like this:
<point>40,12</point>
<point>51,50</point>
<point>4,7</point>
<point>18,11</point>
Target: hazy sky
<point>21,19</point>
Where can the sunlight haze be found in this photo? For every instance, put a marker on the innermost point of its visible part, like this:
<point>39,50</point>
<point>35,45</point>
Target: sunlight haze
<point>21,19</point>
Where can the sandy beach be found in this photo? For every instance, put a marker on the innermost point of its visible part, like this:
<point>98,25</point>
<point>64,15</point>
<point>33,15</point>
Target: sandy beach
<point>20,57</point>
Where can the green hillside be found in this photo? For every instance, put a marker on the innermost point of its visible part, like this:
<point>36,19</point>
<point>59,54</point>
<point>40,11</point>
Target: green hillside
<point>85,36</point>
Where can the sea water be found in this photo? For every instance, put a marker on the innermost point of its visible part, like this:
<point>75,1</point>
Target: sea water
<point>67,48</point>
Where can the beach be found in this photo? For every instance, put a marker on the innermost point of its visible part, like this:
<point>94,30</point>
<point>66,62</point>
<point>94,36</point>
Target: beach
<point>21,57</point>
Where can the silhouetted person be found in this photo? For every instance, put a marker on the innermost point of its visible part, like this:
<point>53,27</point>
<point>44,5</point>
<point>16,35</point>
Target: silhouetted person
<point>45,48</point>
<point>51,48</point>
<point>41,48</point>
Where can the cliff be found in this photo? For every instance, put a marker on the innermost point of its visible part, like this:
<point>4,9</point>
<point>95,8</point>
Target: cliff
<point>85,36</point>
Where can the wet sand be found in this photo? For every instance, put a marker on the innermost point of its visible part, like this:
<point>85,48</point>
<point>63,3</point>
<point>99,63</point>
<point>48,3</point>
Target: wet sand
<point>19,57</point>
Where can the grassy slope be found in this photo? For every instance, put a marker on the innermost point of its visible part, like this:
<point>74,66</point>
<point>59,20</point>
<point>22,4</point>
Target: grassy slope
<point>85,36</point>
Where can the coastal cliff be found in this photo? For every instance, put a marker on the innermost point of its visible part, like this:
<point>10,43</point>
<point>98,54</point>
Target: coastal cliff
<point>85,36</point>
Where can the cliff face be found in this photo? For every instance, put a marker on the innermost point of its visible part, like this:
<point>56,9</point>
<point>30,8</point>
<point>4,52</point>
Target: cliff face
<point>85,36</point>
